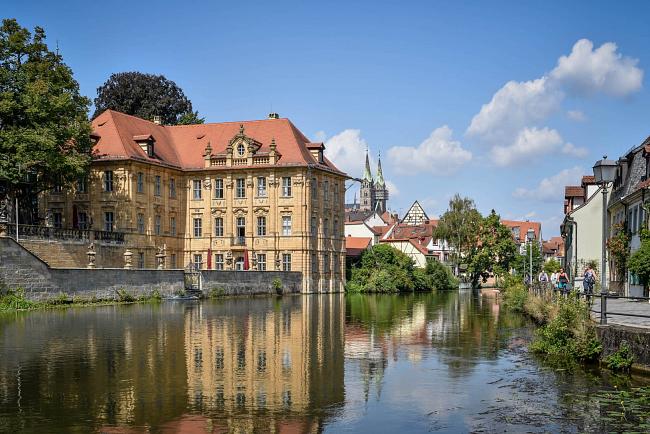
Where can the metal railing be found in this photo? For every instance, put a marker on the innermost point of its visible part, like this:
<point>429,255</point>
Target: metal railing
<point>238,241</point>
<point>51,233</point>
<point>541,289</point>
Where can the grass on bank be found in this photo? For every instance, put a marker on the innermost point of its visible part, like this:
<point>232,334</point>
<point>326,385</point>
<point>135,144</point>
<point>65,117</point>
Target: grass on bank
<point>566,332</point>
<point>15,300</point>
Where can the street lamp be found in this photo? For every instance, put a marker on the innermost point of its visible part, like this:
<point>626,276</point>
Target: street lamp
<point>530,235</point>
<point>604,172</point>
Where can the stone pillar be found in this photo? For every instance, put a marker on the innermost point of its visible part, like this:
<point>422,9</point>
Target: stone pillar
<point>91,255</point>
<point>128,258</point>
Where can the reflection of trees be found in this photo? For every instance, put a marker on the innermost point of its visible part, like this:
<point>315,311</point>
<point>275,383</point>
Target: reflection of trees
<point>233,365</point>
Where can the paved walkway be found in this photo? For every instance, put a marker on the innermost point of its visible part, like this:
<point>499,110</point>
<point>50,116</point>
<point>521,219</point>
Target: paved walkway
<point>624,306</point>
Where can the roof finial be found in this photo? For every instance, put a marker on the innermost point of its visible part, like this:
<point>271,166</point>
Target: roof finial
<point>241,129</point>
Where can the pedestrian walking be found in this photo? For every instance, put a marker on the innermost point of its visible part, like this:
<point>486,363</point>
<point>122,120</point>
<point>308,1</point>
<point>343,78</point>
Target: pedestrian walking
<point>542,278</point>
<point>563,282</point>
<point>588,281</point>
<point>554,280</point>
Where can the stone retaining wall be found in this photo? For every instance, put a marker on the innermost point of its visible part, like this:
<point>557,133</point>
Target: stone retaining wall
<point>19,268</point>
<point>638,339</point>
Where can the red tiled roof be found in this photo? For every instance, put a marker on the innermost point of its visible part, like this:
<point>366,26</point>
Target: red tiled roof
<point>183,146</point>
<point>588,180</point>
<point>404,232</point>
<point>523,227</point>
<point>573,191</point>
<point>354,246</point>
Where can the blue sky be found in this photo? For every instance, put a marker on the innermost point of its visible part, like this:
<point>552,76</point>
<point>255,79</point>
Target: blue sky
<point>424,82</point>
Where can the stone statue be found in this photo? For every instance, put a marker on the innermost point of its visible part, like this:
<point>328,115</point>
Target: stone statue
<point>160,256</point>
<point>91,255</point>
<point>128,259</point>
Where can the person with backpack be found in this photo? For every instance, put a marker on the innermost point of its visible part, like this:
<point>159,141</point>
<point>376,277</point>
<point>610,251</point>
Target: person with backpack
<point>563,282</point>
<point>588,281</point>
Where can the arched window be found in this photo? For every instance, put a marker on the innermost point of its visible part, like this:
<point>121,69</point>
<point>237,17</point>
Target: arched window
<point>241,149</point>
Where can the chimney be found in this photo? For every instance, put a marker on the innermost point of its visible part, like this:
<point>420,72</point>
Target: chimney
<point>274,116</point>
<point>156,120</point>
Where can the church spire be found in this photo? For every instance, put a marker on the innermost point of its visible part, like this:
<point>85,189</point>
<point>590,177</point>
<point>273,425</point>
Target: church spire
<point>367,175</point>
<point>379,180</point>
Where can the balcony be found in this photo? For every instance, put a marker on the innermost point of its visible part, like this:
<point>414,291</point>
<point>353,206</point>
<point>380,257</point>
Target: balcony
<point>238,241</point>
<point>36,232</point>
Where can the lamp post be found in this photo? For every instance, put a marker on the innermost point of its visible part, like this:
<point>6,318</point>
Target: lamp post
<point>604,172</point>
<point>530,234</point>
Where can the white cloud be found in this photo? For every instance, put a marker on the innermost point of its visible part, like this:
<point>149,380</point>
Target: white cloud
<point>586,71</point>
<point>576,115</point>
<point>574,151</point>
<point>531,143</point>
<point>551,189</point>
<point>320,136</point>
<point>439,154</point>
<point>392,189</point>
<point>514,106</point>
<point>347,150</point>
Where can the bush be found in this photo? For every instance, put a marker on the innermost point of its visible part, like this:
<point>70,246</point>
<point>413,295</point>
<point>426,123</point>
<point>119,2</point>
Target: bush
<point>124,296</point>
<point>15,300</point>
<point>569,335</point>
<point>515,295</point>
<point>216,292</point>
<point>155,295</point>
<point>621,360</point>
<point>439,276</point>
<point>384,269</point>
<point>277,286</point>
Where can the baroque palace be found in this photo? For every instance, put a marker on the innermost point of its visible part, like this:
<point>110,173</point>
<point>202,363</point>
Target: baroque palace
<point>222,196</point>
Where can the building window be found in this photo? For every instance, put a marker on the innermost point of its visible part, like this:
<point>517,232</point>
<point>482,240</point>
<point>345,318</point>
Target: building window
<point>286,262</point>
<point>218,188</point>
<point>336,192</point>
<point>157,186</point>
<point>140,259</point>
<point>82,220</point>
<point>261,226</point>
<point>326,263</point>
<point>314,225</point>
<point>218,227</point>
<point>172,226</point>
<point>326,230</point>
<point>336,263</point>
<point>218,261</point>
<point>241,149</point>
<point>326,191</point>
<point>198,262</point>
<point>335,228</point>
<point>108,221</point>
<point>140,183</point>
<point>172,260</point>
<point>314,263</point>
<point>286,186</point>
<point>157,225</point>
<point>198,230</point>
<point>286,225</point>
<point>239,264</point>
<point>240,191</point>
<point>141,223</point>
<point>261,261</point>
<point>108,181</point>
<point>57,220</point>
<point>196,189</point>
<point>261,186</point>
<point>314,189</point>
<point>241,228</point>
<point>82,185</point>
<point>172,188</point>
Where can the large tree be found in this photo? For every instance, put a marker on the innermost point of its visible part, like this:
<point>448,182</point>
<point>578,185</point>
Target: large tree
<point>459,226</point>
<point>494,252</point>
<point>146,96</point>
<point>44,128</point>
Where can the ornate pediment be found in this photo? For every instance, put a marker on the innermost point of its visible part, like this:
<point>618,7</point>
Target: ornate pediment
<point>242,146</point>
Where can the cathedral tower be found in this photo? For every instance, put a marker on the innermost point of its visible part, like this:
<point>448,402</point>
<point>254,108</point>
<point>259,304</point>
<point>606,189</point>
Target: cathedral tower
<point>380,190</point>
<point>367,188</point>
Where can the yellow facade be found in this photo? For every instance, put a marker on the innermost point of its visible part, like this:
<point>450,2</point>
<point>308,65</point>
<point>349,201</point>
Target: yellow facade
<point>283,217</point>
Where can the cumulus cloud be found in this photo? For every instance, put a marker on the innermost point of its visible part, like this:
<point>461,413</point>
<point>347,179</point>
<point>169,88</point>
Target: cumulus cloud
<point>586,71</point>
<point>392,189</point>
<point>551,189</point>
<point>347,150</point>
<point>531,143</point>
<point>576,115</point>
<point>505,123</point>
<point>574,151</point>
<point>514,106</point>
<point>439,154</point>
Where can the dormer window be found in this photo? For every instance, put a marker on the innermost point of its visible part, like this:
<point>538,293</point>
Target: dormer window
<point>241,149</point>
<point>145,141</point>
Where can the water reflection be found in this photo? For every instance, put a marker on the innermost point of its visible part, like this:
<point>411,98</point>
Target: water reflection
<point>444,362</point>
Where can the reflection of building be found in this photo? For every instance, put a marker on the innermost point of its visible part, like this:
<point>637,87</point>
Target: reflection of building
<point>220,195</point>
<point>284,361</point>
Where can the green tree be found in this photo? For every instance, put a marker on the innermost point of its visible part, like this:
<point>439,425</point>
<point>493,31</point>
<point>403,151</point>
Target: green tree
<point>552,266</point>
<point>459,226</point>
<point>494,251</point>
<point>44,128</point>
<point>522,262</point>
<point>639,262</point>
<point>146,96</point>
<point>439,276</point>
